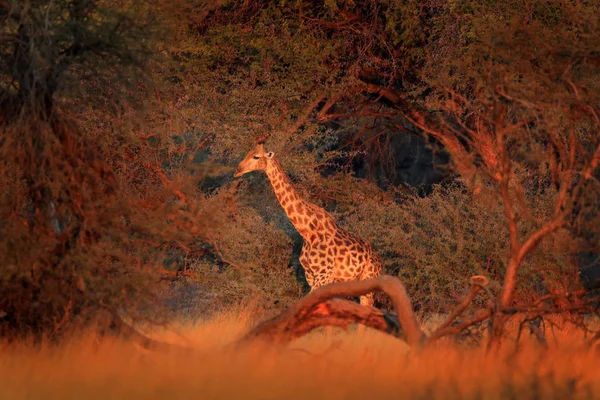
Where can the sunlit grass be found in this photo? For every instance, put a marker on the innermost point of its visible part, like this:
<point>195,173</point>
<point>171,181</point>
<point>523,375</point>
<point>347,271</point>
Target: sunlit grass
<point>359,363</point>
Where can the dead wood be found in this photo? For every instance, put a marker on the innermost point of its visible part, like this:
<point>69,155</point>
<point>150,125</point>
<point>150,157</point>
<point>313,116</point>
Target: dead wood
<point>479,317</point>
<point>325,306</point>
<point>296,322</point>
<point>322,308</point>
<point>319,308</point>
<point>478,282</point>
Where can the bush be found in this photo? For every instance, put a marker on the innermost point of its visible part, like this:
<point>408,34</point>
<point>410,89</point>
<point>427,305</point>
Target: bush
<point>435,242</point>
<point>75,240</point>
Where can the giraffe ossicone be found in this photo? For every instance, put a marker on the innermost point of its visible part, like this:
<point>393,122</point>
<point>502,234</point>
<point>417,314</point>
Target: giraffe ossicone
<point>329,253</point>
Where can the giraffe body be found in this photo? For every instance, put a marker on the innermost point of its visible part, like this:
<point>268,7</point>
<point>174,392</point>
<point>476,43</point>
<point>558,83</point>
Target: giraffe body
<point>329,253</point>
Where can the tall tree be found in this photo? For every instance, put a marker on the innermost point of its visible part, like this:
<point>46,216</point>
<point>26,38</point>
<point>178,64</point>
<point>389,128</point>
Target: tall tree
<point>72,241</point>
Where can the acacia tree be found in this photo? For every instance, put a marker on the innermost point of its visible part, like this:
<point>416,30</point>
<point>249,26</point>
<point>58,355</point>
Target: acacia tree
<point>84,210</point>
<point>510,93</point>
<point>518,114</point>
<point>528,124</point>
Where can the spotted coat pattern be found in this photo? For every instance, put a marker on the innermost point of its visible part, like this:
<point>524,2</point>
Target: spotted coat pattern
<point>329,253</point>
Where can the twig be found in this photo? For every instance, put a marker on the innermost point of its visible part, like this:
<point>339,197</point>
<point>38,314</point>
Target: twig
<point>477,283</point>
<point>456,329</point>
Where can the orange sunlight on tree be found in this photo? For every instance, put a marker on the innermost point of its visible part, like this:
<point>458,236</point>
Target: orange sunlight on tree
<point>457,144</point>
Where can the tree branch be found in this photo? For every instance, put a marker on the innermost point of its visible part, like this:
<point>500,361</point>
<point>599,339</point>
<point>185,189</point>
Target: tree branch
<point>320,308</point>
<point>9,10</point>
<point>317,309</point>
<point>456,329</point>
<point>531,243</point>
<point>478,282</point>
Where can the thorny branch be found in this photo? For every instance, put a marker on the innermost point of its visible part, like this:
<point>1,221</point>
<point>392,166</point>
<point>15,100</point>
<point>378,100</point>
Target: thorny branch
<point>477,283</point>
<point>323,307</point>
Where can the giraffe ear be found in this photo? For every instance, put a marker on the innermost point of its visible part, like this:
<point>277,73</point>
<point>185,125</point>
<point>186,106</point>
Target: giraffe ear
<point>270,155</point>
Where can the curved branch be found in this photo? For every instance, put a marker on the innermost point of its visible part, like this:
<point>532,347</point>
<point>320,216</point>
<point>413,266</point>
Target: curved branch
<point>477,282</point>
<point>321,308</point>
<point>456,329</point>
<point>532,241</point>
<point>318,309</point>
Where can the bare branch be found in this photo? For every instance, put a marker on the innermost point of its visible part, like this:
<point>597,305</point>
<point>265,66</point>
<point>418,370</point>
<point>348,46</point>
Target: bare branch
<point>299,318</point>
<point>456,329</point>
<point>475,287</point>
<point>509,212</point>
<point>10,10</point>
<point>518,255</point>
<point>589,170</point>
<point>531,243</point>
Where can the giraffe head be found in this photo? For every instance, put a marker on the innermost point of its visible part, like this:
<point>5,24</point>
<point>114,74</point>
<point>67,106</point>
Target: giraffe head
<point>255,160</point>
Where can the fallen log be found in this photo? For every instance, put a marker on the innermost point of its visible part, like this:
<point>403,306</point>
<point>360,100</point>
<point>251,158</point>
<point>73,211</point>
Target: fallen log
<point>322,307</point>
<point>326,306</point>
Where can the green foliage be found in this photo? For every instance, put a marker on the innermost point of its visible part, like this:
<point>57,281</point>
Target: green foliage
<point>42,41</point>
<point>121,122</point>
<point>265,67</point>
<point>258,254</point>
<point>76,240</point>
<point>434,243</point>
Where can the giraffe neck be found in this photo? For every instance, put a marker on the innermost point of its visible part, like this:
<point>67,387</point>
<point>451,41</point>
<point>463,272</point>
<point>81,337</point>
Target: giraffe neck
<point>297,209</point>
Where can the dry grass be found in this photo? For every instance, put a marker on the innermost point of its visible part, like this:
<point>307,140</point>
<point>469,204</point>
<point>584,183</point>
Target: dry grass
<point>356,364</point>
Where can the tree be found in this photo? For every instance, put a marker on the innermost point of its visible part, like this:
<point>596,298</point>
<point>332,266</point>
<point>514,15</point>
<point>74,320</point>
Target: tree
<point>527,124</point>
<point>112,114</point>
<point>74,241</point>
<point>512,102</point>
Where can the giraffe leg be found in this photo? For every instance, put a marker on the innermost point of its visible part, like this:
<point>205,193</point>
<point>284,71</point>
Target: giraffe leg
<point>372,269</point>
<point>306,265</point>
<point>320,280</point>
<point>367,299</point>
<point>309,278</point>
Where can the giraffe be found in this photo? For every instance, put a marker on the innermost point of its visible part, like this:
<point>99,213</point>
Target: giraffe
<point>329,254</point>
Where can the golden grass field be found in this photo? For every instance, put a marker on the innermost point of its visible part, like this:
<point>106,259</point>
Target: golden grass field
<point>359,364</point>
